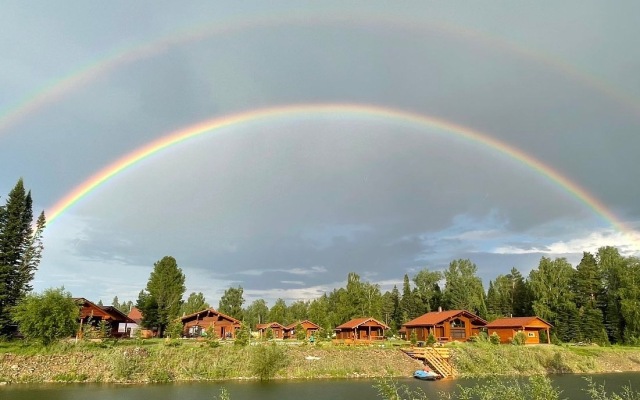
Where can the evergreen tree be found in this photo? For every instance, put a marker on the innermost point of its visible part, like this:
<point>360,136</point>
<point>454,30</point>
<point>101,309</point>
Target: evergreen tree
<point>553,299</point>
<point>408,306</point>
<point>20,250</point>
<point>587,286</point>
<point>396,315</point>
<point>195,302</point>
<point>612,265</point>
<point>163,298</point>
<point>630,300</point>
<point>231,302</point>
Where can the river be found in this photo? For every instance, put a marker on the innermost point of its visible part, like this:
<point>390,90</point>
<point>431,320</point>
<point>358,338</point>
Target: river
<point>571,385</point>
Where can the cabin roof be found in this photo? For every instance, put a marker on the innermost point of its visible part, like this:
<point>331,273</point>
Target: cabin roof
<point>293,325</point>
<point>103,311</point>
<point>356,322</point>
<point>135,314</point>
<point>271,325</point>
<point>515,322</point>
<point>209,311</point>
<point>438,317</point>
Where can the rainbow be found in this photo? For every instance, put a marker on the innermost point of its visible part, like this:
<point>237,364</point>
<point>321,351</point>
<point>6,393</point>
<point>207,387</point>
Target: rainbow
<point>333,109</point>
<point>118,58</point>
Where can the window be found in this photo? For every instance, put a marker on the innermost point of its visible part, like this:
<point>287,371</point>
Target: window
<point>457,323</point>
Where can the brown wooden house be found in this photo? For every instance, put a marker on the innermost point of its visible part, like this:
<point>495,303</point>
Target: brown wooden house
<point>276,328</point>
<point>361,329</point>
<point>446,326</point>
<point>93,314</point>
<point>310,328</point>
<point>507,328</point>
<point>196,324</point>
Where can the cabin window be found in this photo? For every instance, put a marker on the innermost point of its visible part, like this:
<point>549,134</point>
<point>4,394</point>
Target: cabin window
<point>531,334</point>
<point>457,323</point>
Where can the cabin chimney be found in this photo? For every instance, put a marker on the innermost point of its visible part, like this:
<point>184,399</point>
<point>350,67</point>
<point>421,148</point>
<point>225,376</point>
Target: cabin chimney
<point>440,309</point>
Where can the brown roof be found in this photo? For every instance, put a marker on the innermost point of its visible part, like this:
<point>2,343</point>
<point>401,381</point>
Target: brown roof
<point>356,322</point>
<point>515,322</point>
<point>135,314</point>
<point>293,325</point>
<point>438,317</point>
<point>212,311</point>
<point>269,325</point>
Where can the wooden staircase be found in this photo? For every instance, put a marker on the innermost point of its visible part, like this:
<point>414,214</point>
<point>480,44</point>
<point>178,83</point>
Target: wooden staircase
<point>436,357</point>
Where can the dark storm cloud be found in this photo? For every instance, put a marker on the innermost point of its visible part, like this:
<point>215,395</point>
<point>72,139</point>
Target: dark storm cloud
<point>288,208</point>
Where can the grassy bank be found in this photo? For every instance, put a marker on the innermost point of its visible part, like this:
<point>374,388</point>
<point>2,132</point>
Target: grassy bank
<point>158,361</point>
<point>155,361</point>
<point>484,359</point>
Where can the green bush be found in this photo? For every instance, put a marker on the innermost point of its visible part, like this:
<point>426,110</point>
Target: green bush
<point>431,339</point>
<point>413,337</point>
<point>494,338</point>
<point>48,316</point>
<point>267,360</point>
<point>519,339</point>
<point>243,337</point>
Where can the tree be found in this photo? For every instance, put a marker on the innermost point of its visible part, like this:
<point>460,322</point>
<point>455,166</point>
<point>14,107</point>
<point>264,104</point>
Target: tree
<point>20,250</point>
<point>163,297</point>
<point>427,284</point>
<point>553,299</point>
<point>588,289</point>
<point>256,313</point>
<point>195,302</point>
<point>408,304</point>
<point>463,289</point>
<point>48,316</point>
<point>231,302</point>
<point>278,312</point>
<point>612,265</point>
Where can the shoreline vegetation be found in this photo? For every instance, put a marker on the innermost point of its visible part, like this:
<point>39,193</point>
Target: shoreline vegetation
<point>161,361</point>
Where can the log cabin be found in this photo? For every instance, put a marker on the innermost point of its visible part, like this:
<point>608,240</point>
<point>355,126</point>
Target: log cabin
<point>276,328</point>
<point>93,314</point>
<point>310,328</point>
<point>507,328</point>
<point>361,329</point>
<point>196,324</point>
<point>446,326</point>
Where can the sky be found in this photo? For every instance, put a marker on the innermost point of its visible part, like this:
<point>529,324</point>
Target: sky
<point>318,138</point>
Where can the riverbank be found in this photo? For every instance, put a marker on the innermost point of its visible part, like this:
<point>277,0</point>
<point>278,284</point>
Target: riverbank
<point>156,361</point>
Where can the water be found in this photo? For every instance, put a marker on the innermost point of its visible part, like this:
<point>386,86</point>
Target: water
<point>571,385</point>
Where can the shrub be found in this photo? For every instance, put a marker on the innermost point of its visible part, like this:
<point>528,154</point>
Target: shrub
<point>48,316</point>
<point>494,338</point>
<point>174,330</point>
<point>413,337</point>
<point>519,339</point>
<point>431,339</point>
<point>243,336</point>
<point>267,360</point>
<point>104,329</point>
<point>301,333</point>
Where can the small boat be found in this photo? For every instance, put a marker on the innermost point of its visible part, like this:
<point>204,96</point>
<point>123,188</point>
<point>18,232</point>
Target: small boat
<point>426,375</point>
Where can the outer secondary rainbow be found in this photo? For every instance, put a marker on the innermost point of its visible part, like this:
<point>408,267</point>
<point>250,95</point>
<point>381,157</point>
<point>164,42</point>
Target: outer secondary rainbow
<point>336,109</point>
<point>121,57</point>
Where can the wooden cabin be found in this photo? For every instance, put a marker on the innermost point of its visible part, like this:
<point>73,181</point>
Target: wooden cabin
<point>276,328</point>
<point>310,328</point>
<point>361,329</point>
<point>196,324</point>
<point>93,314</point>
<point>507,328</point>
<point>459,325</point>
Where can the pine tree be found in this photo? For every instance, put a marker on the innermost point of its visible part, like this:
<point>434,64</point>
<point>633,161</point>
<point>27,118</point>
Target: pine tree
<point>163,298</point>
<point>20,250</point>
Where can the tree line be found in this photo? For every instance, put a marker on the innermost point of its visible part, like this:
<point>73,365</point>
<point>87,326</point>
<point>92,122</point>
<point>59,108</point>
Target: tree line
<point>597,301</point>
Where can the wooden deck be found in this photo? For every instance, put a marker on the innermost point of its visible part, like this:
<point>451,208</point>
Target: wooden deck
<point>436,357</point>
